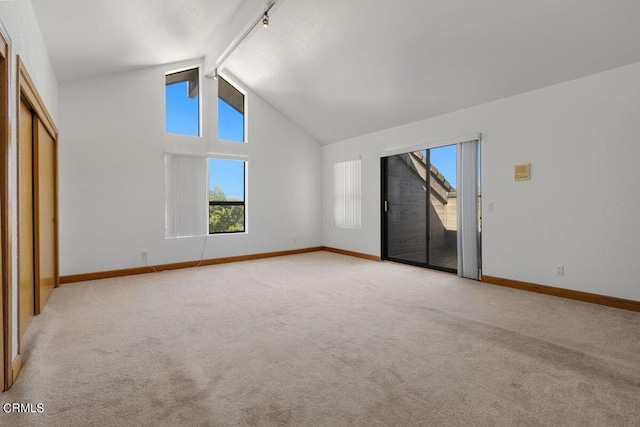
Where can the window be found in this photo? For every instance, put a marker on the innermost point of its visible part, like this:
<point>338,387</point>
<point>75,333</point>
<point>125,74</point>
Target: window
<point>231,124</point>
<point>346,194</point>
<point>226,196</point>
<point>182,90</point>
<point>192,183</point>
<point>185,197</point>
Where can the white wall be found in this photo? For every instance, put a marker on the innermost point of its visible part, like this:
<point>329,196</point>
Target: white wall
<point>112,179</point>
<point>582,205</point>
<point>20,22</point>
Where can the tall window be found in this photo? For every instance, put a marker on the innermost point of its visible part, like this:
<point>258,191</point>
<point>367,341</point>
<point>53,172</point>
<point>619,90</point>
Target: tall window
<point>346,194</point>
<point>182,98</point>
<point>231,123</point>
<point>185,197</point>
<point>226,196</point>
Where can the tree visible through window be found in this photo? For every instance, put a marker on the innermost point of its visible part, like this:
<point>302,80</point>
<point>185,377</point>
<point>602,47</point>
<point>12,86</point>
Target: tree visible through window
<point>226,178</point>
<point>226,196</point>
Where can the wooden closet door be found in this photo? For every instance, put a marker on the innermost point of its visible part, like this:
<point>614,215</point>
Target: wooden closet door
<point>45,212</point>
<point>26,288</point>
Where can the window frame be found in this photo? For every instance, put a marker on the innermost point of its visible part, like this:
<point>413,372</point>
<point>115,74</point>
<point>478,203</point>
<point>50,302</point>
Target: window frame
<point>347,198</point>
<point>200,92</point>
<point>245,127</point>
<point>175,174</point>
<point>242,203</point>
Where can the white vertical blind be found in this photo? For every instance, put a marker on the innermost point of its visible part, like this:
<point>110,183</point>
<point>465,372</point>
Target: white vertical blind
<point>347,194</point>
<point>468,241</point>
<point>186,196</point>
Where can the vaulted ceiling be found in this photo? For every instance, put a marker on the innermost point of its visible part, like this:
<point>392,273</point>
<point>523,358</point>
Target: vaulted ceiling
<point>345,68</point>
<point>91,37</point>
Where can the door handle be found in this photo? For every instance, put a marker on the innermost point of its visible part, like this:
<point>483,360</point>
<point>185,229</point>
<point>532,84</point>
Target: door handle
<point>386,206</point>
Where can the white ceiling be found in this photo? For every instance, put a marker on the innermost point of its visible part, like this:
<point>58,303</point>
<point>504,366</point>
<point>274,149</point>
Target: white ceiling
<point>90,37</point>
<point>342,68</point>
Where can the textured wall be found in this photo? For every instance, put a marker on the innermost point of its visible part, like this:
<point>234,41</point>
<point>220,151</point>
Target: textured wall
<point>571,133</point>
<point>26,41</point>
<point>112,183</point>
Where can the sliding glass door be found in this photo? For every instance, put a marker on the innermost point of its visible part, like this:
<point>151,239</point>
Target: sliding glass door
<point>420,208</point>
<point>443,208</point>
<point>406,210</point>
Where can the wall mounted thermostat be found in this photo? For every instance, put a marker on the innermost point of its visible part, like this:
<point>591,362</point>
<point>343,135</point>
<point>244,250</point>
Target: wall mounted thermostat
<point>522,172</point>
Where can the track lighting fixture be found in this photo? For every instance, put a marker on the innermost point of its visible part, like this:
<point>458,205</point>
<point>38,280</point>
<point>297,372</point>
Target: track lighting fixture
<point>264,18</point>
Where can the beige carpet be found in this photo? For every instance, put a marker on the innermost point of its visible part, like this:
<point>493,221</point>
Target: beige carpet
<point>324,340</point>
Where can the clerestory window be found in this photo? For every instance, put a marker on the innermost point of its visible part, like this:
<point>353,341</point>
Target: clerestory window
<point>231,112</point>
<point>182,102</point>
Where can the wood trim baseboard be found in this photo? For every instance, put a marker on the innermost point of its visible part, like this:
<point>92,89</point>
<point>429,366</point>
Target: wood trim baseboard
<point>351,253</point>
<point>178,265</point>
<point>615,302</point>
<point>15,368</point>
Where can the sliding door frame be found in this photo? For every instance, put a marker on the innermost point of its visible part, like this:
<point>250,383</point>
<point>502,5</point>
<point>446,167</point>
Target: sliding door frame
<point>384,209</point>
<point>27,92</point>
<point>6,306</point>
<point>386,154</point>
<point>384,229</point>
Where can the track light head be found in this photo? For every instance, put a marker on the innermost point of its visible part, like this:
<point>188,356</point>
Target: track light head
<point>233,46</point>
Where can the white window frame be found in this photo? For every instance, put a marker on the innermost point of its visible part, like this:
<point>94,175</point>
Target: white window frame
<point>200,92</point>
<point>245,115</point>
<point>245,160</point>
<point>185,212</point>
<point>347,193</point>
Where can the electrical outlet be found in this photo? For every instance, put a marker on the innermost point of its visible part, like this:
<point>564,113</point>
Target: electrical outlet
<point>144,255</point>
<point>491,207</point>
<point>559,270</point>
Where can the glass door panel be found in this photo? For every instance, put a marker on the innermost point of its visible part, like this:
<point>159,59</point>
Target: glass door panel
<point>443,214</point>
<point>420,226</point>
<point>406,211</point>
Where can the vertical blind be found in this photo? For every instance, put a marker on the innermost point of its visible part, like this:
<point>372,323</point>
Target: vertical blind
<point>347,194</point>
<point>468,192</point>
<point>186,196</point>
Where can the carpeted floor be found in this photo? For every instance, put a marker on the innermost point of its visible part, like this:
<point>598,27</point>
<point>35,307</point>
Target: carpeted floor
<point>322,339</point>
